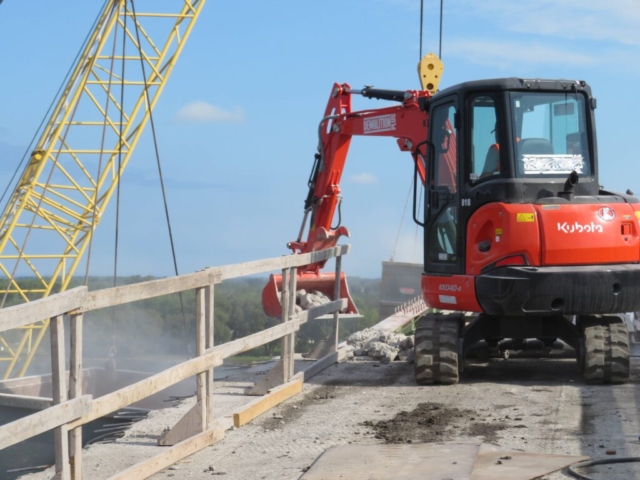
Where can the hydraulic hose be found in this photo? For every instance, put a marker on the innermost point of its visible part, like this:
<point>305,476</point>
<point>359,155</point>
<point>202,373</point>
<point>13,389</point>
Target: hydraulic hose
<point>603,461</point>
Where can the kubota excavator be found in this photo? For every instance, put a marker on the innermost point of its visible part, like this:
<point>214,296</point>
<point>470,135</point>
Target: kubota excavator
<point>516,226</point>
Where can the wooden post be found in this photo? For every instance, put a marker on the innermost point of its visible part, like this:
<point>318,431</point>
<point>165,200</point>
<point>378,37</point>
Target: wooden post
<point>209,308</point>
<point>201,336</point>
<point>336,296</point>
<point>59,390</point>
<point>286,344</point>
<point>291,338</point>
<point>75,391</point>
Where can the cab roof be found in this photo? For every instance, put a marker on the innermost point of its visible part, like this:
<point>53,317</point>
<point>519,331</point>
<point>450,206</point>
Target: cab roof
<point>513,83</point>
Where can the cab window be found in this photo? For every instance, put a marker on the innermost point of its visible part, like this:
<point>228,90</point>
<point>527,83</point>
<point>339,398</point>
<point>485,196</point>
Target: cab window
<point>551,134</point>
<point>485,145</point>
<point>444,137</point>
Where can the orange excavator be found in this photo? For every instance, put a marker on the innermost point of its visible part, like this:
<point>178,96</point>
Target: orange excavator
<point>517,229</point>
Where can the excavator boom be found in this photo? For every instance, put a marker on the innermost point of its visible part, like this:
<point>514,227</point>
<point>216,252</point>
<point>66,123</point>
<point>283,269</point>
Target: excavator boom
<point>406,122</point>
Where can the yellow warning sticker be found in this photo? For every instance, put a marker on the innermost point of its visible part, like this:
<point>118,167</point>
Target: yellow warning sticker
<point>638,215</point>
<point>526,217</point>
<point>498,231</point>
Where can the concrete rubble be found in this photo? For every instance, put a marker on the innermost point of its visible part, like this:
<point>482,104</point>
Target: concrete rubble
<point>381,345</point>
<point>306,300</point>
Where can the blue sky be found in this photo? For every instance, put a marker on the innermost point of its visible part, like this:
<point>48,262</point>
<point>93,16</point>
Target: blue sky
<point>237,122</point>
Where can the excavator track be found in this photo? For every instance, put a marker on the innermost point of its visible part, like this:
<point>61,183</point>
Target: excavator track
<point>606,351</point>
<point>436,349</point>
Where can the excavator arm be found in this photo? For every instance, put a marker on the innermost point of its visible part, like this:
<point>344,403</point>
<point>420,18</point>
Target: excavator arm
<point>407,122</point>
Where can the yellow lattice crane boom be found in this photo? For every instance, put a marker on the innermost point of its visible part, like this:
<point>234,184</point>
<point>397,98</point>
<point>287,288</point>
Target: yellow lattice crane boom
<point>84,146</point>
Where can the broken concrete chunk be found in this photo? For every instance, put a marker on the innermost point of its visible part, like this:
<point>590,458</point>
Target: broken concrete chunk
<point>407,343</point>
<point>311,300</point>
<point>383,352</point>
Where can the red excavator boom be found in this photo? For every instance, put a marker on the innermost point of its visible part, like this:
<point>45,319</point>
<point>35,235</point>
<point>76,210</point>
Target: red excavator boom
<point>406,122</point>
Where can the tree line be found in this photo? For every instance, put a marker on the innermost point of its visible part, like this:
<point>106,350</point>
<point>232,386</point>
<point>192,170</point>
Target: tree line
<point>166,325</point>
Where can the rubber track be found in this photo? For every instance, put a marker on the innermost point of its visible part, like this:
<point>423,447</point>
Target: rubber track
<point>436,350</point>
<point>606,353</point>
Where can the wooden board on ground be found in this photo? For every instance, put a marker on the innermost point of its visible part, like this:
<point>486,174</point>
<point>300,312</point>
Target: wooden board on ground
<point>427,461</point>
<point>171,455</point>
<point>260,405</point>
<point>189,425</point>
<point>319,365</point>
<point>434,461</point>
<point>518,465</point>
<point>272,379</point>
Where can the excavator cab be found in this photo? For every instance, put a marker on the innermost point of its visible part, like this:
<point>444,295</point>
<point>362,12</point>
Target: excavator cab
<point>497,146</point>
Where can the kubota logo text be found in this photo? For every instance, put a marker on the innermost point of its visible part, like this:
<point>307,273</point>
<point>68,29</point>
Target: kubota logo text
<point>579,228</point>
<point>381,123</point>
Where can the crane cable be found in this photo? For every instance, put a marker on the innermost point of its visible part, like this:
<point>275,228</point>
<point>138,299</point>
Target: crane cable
<point>440,33</point>
<point>102,142</point>
<point>406,203</point>
<point>157,152</point>
<point>111,363</point>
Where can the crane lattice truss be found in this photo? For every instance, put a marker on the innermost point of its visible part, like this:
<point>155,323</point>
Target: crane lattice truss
<point>88,140</point>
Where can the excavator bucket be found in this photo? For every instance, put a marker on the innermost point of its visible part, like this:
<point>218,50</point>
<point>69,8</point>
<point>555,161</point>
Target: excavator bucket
<point>310,282</point>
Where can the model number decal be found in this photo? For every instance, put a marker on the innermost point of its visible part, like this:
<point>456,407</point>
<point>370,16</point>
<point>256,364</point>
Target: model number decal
<point>450,288</point>
<point>578,228</point>
<point>381,123</point>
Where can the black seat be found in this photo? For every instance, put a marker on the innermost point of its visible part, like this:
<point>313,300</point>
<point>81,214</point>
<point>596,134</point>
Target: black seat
<point>535,146</point>
<point>491,161</point>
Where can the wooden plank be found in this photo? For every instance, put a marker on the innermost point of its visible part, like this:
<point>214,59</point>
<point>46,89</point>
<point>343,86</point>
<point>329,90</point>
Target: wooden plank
<point>59,387</point>
<point>201,378</point>
<point>110,297</point>
<point>209,307</point>
<point>289,341</point>
<point>36,423</point>
<point>336,314</point>
<point>170,456</point>
<point>75,391</point>
<point>320,364</point>
<point>188,426</point>
<point>137,391</point>
<point>24,401</point>
<point>317,312</point>
<point>287,310</point>
<point>42,309</point>
<point>280,263</point>
<point>260,405</point>
<point>268,381</point>
<point>243,344</point>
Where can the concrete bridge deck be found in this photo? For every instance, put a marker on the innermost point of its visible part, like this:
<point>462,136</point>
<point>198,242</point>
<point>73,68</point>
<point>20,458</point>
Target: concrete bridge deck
<point>535,405</point>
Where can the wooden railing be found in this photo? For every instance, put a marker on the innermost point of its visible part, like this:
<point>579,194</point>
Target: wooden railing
<point>71,409</point>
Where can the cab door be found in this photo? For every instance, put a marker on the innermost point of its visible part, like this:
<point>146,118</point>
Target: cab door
<point>443,240</point>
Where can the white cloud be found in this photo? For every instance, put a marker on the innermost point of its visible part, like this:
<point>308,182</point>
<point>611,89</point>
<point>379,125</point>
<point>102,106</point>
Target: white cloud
<point>364,178</point>
<point>616,21</point>
<point>508,54</point>
<point>203,112</point>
